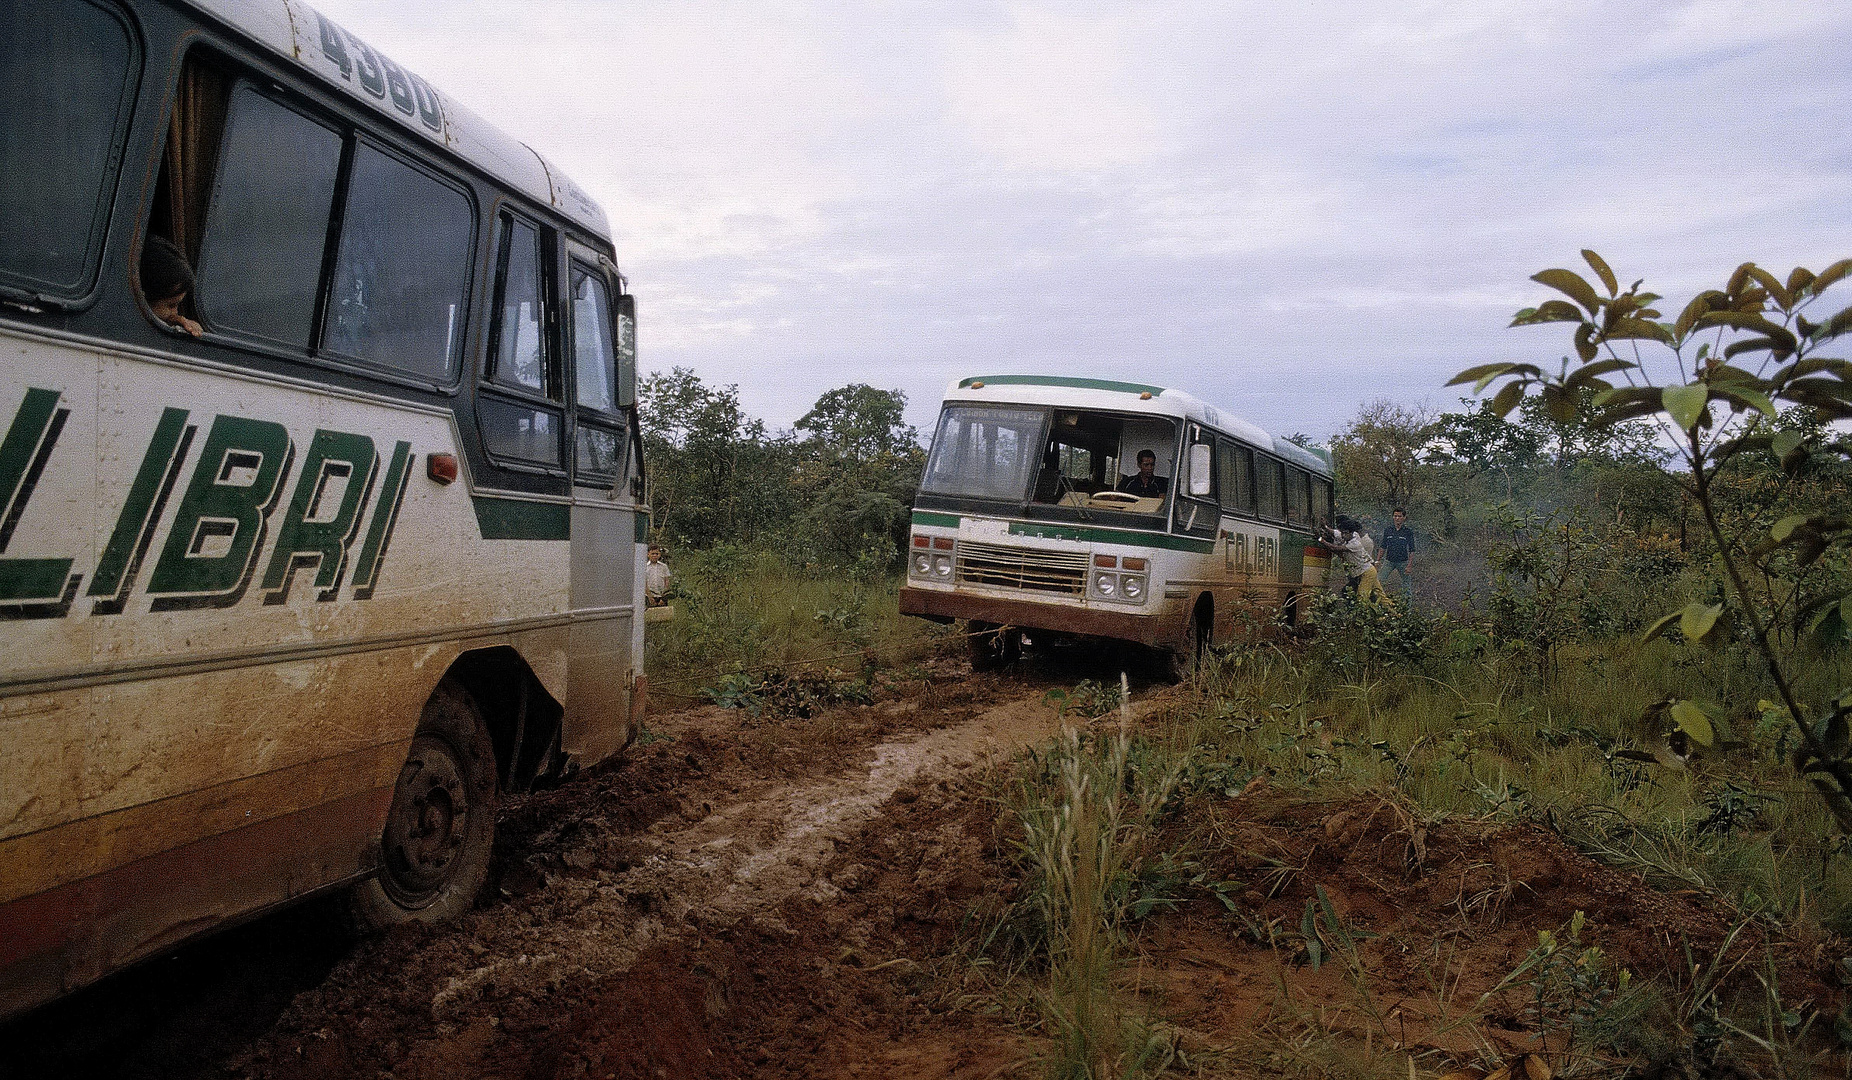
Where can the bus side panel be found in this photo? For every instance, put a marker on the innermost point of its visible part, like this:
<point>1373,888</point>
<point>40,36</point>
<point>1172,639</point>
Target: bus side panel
<point>179,745</point>
<point>604,666</point>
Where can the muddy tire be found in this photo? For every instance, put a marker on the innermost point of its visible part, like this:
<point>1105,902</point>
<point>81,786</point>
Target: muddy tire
<point>1186,656</point>
<point>992,647</point>
<point>434,850</point>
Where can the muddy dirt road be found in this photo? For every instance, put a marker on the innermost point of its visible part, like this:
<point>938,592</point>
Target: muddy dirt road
<point>663,918</point>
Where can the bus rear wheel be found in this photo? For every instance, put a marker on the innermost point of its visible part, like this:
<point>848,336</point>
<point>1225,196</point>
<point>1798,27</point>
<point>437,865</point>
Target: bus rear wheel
<point>440,831</point>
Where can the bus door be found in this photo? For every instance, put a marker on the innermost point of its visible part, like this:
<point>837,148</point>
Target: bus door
<point>606,567</point>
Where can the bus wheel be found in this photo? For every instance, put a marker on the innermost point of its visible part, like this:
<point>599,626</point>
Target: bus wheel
<point>434,850</point>
<point>993,647</point>
<point>1186,656</point>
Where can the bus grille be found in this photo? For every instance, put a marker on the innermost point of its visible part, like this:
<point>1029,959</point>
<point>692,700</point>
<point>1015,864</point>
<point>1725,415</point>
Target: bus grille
<point>1022,568</point>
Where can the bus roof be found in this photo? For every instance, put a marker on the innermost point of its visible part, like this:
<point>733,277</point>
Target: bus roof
<point>1117,396</point>
<point>295,31</point>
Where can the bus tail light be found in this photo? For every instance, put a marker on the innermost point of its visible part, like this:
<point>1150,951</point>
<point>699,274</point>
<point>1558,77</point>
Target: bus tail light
<point>441,467</point>
<point>921,541</point>
<point>1133,564</point>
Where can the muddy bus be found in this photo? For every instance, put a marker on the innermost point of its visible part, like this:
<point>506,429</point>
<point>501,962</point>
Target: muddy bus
<point>1088,507</point>
<point>320,484</point>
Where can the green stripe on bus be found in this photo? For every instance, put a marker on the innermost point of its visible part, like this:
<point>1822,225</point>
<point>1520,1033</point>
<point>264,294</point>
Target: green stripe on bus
<point>642,526</point>
<point>521,519</point>
<point>1113,536</point>
<point>925,517</point>
<point>1062,380</point>
<point>29,580</point>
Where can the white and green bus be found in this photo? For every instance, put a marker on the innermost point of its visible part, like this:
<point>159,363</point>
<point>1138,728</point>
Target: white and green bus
<point>1033,515</point>
<point>303,568</point>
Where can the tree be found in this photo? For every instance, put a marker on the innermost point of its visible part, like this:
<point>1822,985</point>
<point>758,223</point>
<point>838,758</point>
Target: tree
<point>716,473</point>
<point>1378,456</point>
<point>861,465</point>
<point>1717,382</point>
<point>861,424</point>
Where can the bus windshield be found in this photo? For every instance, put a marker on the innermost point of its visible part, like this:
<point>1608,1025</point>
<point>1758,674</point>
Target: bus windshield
<point>984,453</point>
<point>1065,462</point>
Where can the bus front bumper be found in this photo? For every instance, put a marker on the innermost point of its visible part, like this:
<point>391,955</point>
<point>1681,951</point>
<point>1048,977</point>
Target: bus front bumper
<point>1030,615</point>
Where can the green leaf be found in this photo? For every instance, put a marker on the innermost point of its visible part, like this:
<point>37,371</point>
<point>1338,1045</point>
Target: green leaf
<point>1829,276</point>
<point>1685,403</point>
<point>1783,298</point>
<point>1547,312</point>
<point>1754,399</point>
<point>1786,526</point>
<point>1570,284</point>
<point>1663,624</point>
<point>1754,344</point>
<point>1482,373</point>
<point>1600,267</point>
<point>1834,326</point>
<point>1560,403</point>
<point>1507,398</point>
<point>1799,279</point>
<point>1595,370</point>
<point>1640,329</point>
<point>1698,620</point>
<point>1699,305</point>
<point>1693,722</point>
<point>1585,342</point>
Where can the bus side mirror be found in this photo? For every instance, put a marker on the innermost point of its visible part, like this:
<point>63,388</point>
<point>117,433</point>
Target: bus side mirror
<point>626,351</point>
<point>1200,476</point>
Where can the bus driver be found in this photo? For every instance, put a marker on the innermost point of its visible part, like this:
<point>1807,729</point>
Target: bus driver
<point>1142,483</point>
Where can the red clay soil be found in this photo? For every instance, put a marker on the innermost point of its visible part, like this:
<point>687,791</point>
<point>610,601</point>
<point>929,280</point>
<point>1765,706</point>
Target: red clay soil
<point>747,898</point>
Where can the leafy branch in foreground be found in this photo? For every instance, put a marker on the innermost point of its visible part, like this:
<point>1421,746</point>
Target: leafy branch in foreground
<point>1723,380</point>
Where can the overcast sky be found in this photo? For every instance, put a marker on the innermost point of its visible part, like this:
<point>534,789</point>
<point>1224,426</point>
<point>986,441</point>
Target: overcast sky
<point>1286,209</point>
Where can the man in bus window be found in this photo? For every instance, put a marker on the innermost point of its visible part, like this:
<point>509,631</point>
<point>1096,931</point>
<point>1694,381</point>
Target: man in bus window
<point>167,281</point>
<point>1143,483</point>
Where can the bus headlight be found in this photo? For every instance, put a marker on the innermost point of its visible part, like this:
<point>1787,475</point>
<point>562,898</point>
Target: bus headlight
<point>1132,587</point>
<point>922,565</point>
<point>942,566</point>
<point>1106,584</point>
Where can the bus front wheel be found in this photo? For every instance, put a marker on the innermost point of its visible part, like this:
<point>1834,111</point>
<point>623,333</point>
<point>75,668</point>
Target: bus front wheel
<point>993,647</point>
<point>1187,655</point>
<point>440,831</point>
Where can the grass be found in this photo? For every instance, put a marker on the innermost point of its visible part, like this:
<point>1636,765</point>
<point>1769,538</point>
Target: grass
<point>742,614</point>
<point>1458,737</point>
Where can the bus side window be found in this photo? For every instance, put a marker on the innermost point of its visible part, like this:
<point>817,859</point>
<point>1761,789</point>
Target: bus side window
<point>1235,464</point>
<point>398,294</point>
<point>1298,496</point>
<point>260,262</point>
<point>518,352</point>
<point>599,440</point>
<point>515,405</point>
<point>1321,502</point>
<point>1271,477</point>
<point>68,71</point>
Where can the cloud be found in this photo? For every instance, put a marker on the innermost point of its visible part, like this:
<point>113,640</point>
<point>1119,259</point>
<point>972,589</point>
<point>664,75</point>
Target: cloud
<point>1289,210</point>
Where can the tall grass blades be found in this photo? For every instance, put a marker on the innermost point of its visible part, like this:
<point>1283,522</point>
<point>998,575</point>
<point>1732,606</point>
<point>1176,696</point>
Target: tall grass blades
<point>1088,820</point>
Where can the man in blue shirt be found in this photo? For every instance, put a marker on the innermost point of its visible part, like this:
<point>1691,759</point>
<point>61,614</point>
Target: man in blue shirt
<point>1397,547</point>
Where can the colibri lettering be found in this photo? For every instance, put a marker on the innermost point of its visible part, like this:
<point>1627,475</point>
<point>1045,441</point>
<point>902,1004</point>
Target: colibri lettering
<point>332,533</point>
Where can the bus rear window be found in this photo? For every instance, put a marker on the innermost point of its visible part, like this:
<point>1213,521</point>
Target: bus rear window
<point>67,75</point>
<point>397,297</point>
<point>261,261</point>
